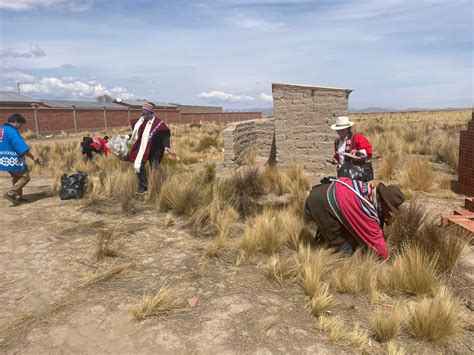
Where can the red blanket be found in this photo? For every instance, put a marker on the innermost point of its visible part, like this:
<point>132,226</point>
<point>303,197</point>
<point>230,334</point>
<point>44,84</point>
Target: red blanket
<point>360,215</point>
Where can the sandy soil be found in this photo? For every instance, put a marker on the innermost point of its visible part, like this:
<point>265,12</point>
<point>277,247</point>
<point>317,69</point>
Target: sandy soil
<point>48,248</point>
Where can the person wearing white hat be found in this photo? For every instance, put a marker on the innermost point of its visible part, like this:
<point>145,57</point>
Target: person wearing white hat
<point>352,151</point>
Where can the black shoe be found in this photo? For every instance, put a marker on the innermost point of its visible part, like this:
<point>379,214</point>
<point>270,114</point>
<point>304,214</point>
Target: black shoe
<point>21,199</point>
<point>11,198</point>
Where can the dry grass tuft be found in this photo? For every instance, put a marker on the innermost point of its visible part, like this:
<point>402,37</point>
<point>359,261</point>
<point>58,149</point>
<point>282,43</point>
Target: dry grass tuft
<point>262,233</point>
<point>356,338</point>
<point>387,324</point>
<point>417,175</point>
<point>393,349</point>
<point>435,319</point>
<point>413,272</point>
<point>275,181</point>
<point>321,301</point>
<point>315,263</point>
<point>246,184</point>
<point>355,273</point>
<point>99,276</point>
<point>181,194</point>
<point>169,220</point>
<point>282,269</point>
<point>388,165</point>
<point>105,239</point>
<point>163,303</point>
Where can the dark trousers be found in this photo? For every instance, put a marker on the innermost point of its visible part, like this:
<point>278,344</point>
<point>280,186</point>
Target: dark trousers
<point>88,150</point>
<point>142,178</point>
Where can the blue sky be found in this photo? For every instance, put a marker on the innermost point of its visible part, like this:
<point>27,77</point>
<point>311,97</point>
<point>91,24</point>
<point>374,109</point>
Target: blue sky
<point>393,53</point>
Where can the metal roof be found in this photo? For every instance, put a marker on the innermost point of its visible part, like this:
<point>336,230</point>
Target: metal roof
<point>81,104</point>
<point>10,96</point>
<point>139,103</point>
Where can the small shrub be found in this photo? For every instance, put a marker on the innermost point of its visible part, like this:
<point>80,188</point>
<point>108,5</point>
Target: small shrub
<point>206,142</point>
<point>387,324</point>
<point>282,269</point>
<point>435,319</point>
<point>162,304</point>
<point>417,175</point>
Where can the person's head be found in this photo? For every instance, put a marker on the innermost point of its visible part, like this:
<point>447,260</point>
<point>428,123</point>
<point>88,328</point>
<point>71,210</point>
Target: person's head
<point>342,126</point>
<point>106,138</point>
<point>391,198</point>
<point>16,120</point>
<point>148,110</point>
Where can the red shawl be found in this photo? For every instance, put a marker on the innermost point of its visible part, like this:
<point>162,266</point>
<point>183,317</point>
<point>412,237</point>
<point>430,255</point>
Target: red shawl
<point>158,125</point>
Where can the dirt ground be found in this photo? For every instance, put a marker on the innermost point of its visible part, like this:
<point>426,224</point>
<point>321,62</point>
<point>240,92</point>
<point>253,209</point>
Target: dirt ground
<point>48,247</point>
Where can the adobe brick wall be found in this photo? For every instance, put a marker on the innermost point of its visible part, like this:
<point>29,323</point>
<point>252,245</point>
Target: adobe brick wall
<point>303,115</point>
<point>241,137</point>
<point>466,159</point>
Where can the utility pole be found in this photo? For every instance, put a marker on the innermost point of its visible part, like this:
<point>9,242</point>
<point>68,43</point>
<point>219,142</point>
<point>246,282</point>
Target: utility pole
<point>18,86</point>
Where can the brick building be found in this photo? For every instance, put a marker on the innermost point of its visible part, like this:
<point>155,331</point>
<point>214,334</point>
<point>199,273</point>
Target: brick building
<point>466,159</point>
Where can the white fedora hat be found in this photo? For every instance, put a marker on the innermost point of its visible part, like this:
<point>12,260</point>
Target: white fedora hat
<point>341,123</point>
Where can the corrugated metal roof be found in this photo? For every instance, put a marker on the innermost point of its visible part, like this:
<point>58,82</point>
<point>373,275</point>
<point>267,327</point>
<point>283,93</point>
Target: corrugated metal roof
<point>10,96</point>
<point>82,104</point>
<point>139,103</point>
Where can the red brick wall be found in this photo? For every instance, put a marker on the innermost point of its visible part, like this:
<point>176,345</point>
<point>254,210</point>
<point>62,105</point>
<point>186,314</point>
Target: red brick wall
<point>57,120</point>
<point>466,159</point>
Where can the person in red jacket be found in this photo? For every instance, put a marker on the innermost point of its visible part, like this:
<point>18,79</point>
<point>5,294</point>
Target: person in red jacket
<point>352,152</point>
<point>95,145</point>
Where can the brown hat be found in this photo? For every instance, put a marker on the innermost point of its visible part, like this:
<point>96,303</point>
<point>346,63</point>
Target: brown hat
<point>392,196</point>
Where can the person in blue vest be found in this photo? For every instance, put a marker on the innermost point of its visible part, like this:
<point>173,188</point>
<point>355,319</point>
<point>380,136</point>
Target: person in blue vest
<point>13,151</point>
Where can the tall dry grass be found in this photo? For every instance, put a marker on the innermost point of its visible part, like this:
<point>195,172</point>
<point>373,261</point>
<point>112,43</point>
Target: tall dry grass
<point>387,324</point>
<point>435,319</point>
<point>417,175</point>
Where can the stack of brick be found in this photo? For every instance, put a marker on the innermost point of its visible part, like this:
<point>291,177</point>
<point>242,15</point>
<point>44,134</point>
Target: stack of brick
<point>466,159</point>
<point>241,138</point>
<point>302,127</point>
<point>462,217</point>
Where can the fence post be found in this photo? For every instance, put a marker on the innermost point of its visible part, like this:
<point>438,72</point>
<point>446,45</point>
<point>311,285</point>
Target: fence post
<point>106,124</point>
<point>74,117</point>
<point>129,114</point>
<point>36,114</point>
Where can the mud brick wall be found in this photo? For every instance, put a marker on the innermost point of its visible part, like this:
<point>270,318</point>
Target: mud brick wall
<point>466,159</point>
<point>242,137</point>
<point>303,115</point>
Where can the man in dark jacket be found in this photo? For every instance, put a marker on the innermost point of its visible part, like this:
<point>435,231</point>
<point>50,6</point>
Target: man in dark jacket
<point>150,141</point>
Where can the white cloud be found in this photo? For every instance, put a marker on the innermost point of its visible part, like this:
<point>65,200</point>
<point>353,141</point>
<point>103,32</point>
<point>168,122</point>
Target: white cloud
<point>15,76</point>
<point>35,51</point>
<point>266,97</point>
<point>220,96</point>
<point>61,88</point>
<point>26,5</point>
<point>254,23</point>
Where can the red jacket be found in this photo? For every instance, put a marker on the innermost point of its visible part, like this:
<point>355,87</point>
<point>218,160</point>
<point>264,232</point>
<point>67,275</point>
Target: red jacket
<point>356,142</point>
<point>100,144</point>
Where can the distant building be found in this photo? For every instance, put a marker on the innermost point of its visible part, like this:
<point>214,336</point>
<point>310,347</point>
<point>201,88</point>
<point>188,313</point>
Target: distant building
<point>13,99</point>
<point>137,104</point>
<point>198,109</point>
<point>80,104</point>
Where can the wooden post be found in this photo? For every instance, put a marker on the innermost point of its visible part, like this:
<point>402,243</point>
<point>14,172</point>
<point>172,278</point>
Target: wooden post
<point>106,124</point>
<point>74,117</point>
<point>129,114</point>
<point>37,124</point>
<point>179,113</point>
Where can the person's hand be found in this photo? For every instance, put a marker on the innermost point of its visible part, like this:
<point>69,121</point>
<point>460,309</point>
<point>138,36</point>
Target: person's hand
<point>167,150</point>
<point>38,160</point>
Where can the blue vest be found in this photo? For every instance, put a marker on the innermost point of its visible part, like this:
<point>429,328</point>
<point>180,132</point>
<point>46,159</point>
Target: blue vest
<point>12,147</point>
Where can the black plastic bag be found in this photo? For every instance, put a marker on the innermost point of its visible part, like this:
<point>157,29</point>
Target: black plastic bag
<point>363,172</point>
<point>73,186</point>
